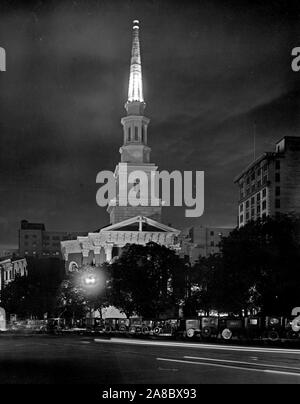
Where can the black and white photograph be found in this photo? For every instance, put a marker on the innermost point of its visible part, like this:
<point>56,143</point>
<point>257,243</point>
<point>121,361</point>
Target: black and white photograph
<point>149,196</point>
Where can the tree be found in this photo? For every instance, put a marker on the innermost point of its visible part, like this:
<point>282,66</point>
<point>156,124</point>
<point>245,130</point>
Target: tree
<point>258,268</point>
<point>204,281</point>
<point>146,280</point>
<point>34,295</point>
<point>83,290</point>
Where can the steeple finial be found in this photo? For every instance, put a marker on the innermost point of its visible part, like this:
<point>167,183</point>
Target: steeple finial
<point>135,90</point>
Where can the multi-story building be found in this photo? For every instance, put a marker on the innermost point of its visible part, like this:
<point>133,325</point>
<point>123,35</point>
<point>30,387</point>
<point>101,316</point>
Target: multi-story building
<point>10,267</point>
<point>271,184</point>
<point>35,241</point>
<point>201,241</point>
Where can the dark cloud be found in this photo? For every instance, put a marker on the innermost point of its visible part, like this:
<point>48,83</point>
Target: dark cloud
<point>211,69</point>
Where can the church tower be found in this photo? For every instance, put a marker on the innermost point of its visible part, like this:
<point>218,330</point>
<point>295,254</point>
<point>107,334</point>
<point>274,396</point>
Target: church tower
<point>135,152</point>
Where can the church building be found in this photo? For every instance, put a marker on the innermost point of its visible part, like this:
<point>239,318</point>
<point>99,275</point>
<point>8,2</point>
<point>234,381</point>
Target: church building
<point>128,224</point>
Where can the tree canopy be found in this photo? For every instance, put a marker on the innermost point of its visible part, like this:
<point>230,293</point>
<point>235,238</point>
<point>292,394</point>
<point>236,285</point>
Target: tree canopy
<point>258,267</point>
<point>35,294</point>
<point>146,280</point>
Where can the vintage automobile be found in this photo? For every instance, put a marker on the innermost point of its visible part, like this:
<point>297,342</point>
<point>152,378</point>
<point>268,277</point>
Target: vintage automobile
<point>122,325</point>
<point>139,326</point>
<point>189,328</point>
<point>231,327</point>
<point>116,325</point>
<point>274,328</point>
<point>94,324</point>
<point>209,327</point>
<point>165,328</point>
<point>253,327</point>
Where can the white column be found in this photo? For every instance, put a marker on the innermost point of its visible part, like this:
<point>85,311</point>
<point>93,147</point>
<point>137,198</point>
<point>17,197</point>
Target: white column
<point>108,253</point>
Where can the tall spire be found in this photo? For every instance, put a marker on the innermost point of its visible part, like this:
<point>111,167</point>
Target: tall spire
<point>135,90</point>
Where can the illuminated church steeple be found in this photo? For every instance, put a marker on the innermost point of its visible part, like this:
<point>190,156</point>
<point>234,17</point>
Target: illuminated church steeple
<point>135,153</point>
<point>135,89</point>
<point>135,124</point>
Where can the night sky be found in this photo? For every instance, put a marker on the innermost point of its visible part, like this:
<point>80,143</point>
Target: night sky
<point>210,68</point>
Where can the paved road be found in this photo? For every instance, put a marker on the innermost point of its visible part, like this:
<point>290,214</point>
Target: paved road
<point>67,359</point>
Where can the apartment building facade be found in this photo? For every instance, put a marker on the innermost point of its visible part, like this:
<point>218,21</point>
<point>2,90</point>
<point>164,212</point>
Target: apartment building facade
<point>271,184</point>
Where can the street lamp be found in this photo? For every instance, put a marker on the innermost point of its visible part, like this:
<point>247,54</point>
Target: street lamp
<point>89,280</point>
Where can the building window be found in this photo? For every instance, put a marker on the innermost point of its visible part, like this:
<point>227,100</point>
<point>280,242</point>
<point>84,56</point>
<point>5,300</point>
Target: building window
<point>277,165</point>
<point>136,133</point>
<point>252,176</point>
<point>264,205</point>
<point>265,179</point>
<point>264,192</point>
<point>129,134</point>
<point>252,200</point>
<point>258,172</point>
<point>143,133</point>
<point>247,205</point>
<point>212,243</point>
<point>247,216</point>
<point>258,210</point>
<point>277,177</point>
<point>277,203</point>
<point>241,208</point>
<point>252,213</point>
<point>258,197</point>
<point>241,218</point>
<point>277,191</point>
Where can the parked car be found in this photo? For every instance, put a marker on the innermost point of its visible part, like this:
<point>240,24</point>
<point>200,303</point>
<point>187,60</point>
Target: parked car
<point>209,327</point>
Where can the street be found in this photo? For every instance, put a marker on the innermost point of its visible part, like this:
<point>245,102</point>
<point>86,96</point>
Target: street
<point>76,360</point>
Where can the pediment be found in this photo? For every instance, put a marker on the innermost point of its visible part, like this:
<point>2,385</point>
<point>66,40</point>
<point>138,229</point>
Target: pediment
<point>140,223</point>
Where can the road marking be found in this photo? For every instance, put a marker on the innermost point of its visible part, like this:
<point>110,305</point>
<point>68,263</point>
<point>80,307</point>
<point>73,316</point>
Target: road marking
<point>169,369</point>
<point>242,362</point>
<point>200,346</point>
<point>231,367</point>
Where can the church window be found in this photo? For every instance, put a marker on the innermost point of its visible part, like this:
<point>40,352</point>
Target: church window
<point>143,134</point>
<point>129,134</point>
<point>136,133</point>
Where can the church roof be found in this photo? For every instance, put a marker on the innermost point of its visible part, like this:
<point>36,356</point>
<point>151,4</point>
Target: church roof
<point>140,223</point>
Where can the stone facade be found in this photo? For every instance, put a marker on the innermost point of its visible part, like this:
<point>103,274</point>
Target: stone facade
<point>271,184</point>
<point>201,241</point>
<point>36,241</point>
<point>10,268</point>
<point>102,246</point>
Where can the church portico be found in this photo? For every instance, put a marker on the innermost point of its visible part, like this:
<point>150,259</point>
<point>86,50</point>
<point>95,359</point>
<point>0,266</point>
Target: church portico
<point>97,248</point>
